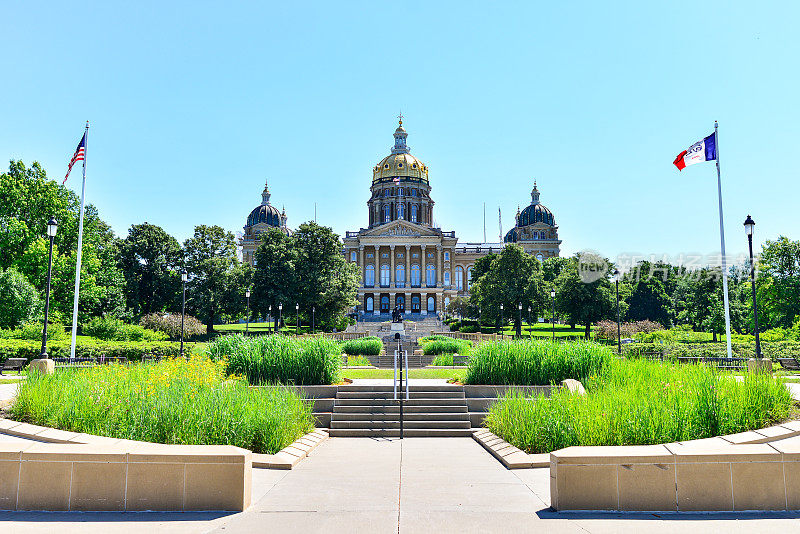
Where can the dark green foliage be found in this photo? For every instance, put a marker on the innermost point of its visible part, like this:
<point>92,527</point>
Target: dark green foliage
<point>533,362</point>
<point>19,300</point>
<point>132,350</point>
<point>368,346</point>
<point>280,359</point>
<point>649,302</point>
<point>170,324</point>
<point>110,329</point>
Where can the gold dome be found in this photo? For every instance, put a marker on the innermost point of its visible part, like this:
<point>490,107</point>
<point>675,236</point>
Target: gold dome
<point>404,165</point>
<point>400,162</point>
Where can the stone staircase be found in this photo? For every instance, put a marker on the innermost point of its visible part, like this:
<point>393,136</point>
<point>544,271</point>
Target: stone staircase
<point>371,411</point>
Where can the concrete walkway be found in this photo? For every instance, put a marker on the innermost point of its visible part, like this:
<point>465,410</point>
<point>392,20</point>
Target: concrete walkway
<point>438,485</point>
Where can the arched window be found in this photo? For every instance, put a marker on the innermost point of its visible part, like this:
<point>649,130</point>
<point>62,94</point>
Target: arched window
<point>540,257</point>
<point>446,302</point>
<point>387,213</point>
<point>369,279</point>
<point>369,305</point>
<point>400,302</point>
<point>469,277</point>
<point>413,213</point>
<point>431,304</point>
<point>385,272</point>
<point>414,303</point>
<point>430,275</point>
<point>459,278</point>
<point>446,279</point>
<point>401,210</point>
<point>384,303</point>
<point>416,275</point>
<point>400,276</point>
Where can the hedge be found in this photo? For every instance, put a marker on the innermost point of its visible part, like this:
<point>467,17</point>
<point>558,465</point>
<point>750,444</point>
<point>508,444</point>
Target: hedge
<point>769,349</point>
<point>132,350</point>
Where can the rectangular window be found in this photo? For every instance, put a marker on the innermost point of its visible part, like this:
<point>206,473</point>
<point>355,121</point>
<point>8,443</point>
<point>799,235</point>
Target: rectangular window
<point>353,256</point>
<point>446,256</point>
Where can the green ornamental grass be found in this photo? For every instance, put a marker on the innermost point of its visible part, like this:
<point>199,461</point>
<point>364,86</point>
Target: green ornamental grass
<point>280,359</point>
<point>172,401</point>
<point>639,402</point>
<point>535,362</point>
<point>367,346</point>
<point>434,345</point>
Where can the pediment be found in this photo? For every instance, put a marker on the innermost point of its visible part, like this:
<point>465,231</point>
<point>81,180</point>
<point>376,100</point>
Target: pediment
<point>399,229</point>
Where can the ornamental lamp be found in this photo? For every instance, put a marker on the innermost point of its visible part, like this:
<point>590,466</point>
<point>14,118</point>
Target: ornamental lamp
<point>52,227</point>
<point>749,226</point>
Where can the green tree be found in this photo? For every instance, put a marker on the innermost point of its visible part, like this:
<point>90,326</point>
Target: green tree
<point>150,260</point>
<point>513,277</point>
<point>19,301</point>
<point>306,268</point>
<point>583,303</point>
<point>216,277</point>
<point>649,301</point>
<point>779,282</point>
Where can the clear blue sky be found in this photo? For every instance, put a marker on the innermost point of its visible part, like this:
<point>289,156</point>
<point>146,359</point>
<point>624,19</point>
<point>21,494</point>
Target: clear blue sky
<point>192,105</point>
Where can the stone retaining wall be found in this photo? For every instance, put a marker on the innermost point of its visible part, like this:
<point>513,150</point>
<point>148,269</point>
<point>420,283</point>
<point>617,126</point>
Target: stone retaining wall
<point>758,470</point>
<point>124,477</point>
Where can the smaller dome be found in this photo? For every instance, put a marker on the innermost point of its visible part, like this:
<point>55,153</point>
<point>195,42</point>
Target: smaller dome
<point>265,213</point>
<point>536,213</point>
<point>511,236</point>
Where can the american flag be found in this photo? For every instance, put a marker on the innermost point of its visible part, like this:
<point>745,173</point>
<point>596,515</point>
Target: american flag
<point>80,152</point>
<point>396,179</point>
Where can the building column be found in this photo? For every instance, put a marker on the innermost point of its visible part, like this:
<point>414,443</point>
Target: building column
<point>424,267</point>
<point>361,264</point>
<point>392,277</point>
<point>439,266</point>
<point>377,262</point>
<point>408,268</point>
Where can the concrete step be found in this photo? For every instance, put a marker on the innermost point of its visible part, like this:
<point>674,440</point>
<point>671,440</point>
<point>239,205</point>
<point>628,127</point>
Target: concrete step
<point>364,388</point>
<point>391,402</point>
<point>390,395</point>
<point>395,416</point>
<point>395,409</point>
<point>395,433</point>
<point>389,424</point>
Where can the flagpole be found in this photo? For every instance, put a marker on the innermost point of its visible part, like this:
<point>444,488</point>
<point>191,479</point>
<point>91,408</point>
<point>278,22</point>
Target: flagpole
<point>80,250</point>
<point>722,246</point>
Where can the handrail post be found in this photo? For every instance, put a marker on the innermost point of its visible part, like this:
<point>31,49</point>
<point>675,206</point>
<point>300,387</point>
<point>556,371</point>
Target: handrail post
<point>400,354</point>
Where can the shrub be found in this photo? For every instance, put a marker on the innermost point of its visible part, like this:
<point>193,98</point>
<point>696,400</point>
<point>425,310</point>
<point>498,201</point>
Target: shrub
<point>110,329</point>
<point>772,350</point>
<point>33,331</point>
<point>535,362</point>
<point>607,330</point>
<point>358,361</point>
<point>19,300</point>
<point>369,346</point>
<point>433,345</point>
<point>641,402</point>
<point>173,401</point>
<point>170,324</point>
<point>279,359</point>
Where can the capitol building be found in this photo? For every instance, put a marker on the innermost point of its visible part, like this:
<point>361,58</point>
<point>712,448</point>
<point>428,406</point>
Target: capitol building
<point>405,261</point>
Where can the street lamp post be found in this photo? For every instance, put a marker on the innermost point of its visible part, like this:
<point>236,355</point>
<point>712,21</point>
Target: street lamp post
<point>530,327</point>
<point>184,278</point>
<point>271,320</point>
<point>619,327</point>
<point>247,324</point>
<point>501,319</point>
<point>297,314</point>
<point>280,315</point>
<point>553,312</point>
<point>52,227</point>
<point>313,319</point>
<point>749,226</point>
<point>480,320</point>
<point>519,318</point>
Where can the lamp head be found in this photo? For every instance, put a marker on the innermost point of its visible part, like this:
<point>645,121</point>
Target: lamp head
<point>519,306</point>
<point>296,306</point>
<point>501,306</point>
<point>552,293</point>
<point>749,226</point>
<point>247,293</point>
<point>184,276</point>
<point>52,227</point>
<point>616,276</point>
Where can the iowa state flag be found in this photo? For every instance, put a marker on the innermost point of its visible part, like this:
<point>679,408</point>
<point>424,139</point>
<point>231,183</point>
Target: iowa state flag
<point>705,150</point>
